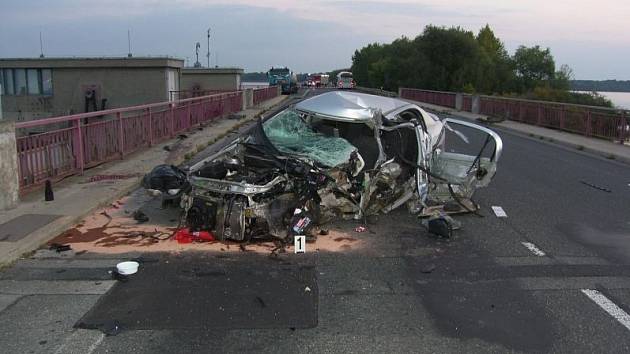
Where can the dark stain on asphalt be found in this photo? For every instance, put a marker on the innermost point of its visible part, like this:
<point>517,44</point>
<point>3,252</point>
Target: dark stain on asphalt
<point>349,239</point>
<point>496,311</point>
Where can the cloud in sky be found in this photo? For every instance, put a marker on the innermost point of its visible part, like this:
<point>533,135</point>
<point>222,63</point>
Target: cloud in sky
<point>312,35</point>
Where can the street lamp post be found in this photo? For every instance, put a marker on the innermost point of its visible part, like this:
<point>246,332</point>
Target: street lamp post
<point>208,54</point>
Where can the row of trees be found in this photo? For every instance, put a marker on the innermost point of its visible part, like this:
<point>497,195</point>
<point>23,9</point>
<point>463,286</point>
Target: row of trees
<point>454,59</point>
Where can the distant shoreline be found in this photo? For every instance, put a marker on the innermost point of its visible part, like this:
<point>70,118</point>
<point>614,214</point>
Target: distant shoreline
<point>600,85</point>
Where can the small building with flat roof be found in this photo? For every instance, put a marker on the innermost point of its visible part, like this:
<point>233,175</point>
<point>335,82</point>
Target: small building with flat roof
<point>35,88</point>
<point>200,81</point>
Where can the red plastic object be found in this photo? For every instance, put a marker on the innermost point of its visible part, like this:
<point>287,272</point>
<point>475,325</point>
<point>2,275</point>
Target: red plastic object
<point>203,236</point>
<point>185,236</point>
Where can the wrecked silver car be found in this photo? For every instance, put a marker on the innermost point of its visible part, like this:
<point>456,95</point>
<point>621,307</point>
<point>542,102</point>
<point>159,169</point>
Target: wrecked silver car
<point>338,154</point>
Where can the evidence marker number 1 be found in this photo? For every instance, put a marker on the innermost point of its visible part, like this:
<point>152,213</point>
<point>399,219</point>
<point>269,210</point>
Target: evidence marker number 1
<point>299,243</point>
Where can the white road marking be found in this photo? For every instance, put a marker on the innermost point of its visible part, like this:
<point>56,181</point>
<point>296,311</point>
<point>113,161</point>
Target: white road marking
<point>499,212</point>
<point>94,345</point>
<point>78,340</point>
<point>608,306</point>
<point>535,250</point>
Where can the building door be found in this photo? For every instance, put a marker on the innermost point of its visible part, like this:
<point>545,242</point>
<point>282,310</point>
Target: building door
<point>172,84</point>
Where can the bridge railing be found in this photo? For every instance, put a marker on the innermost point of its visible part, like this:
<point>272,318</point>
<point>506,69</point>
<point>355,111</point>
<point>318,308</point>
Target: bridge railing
<point>75,142</point>
<point>606,123</point>
<point>264,94</point>
<point>184,94</point>
<point>440,98</point>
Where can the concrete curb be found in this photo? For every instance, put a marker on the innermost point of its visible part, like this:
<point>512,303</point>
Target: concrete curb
<point>37,238</point>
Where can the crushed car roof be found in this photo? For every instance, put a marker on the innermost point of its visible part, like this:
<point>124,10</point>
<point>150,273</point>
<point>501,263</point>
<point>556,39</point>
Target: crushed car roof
<point>351,106</point>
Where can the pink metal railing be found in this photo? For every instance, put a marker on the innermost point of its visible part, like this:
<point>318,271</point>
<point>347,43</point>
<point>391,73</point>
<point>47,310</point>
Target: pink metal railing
<point>264,94</point>
<point>605,123</point>
<point>440,98</point>
<point>89,139</point>
<point>183,94</point>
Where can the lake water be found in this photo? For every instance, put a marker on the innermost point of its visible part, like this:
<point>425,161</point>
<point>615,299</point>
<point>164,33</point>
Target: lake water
<point>619,99</point>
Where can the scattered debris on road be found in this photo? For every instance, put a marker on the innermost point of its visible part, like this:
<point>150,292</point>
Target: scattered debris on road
<point>499,212</point>
<point>603,189</point>
<point>98,178</point>
<point>429,268</point>
<point>337,155</point>
<point>140,216</point>
<point>127,267</point>
<point>59,247</point>
<point>184,235</point>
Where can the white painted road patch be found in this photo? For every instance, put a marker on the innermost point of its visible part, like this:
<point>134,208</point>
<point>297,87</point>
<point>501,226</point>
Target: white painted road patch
<point>608,306</point>
<point>499,212</point>
<point>535,250</point>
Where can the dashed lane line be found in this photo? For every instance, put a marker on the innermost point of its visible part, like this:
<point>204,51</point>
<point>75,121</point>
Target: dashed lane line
<point>535,250</point>
<point>608,306</point>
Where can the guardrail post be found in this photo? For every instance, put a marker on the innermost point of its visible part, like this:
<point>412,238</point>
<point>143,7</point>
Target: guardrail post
<point>150,116</point>
<point>562,117</point>
<point>121,135</point>
<point>77,145</point>
<point>540,116</point>
<point>588,129</point>
<point>475,103</point>
<point>171,113</point>
<point>10,164</point>
<point>623,126</point>
<point>188,117</point>
<point>459,100</point>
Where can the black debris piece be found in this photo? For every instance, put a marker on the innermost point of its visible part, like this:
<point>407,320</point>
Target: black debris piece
<point>117,276</point>
<point>439,226</point>
<point>182,136</point>
<point>167,147</point>
<point>428,268</point>
<point>165,177</point>
<point>603,189</point>
<point>109,327</point>
<point>140,216</point>
<point>323,232</point>
<point>48,192</point>
<point>59,247</point>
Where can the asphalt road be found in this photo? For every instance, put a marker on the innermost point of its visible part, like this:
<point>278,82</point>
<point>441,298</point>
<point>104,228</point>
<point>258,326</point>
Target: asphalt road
<point>553,276</point>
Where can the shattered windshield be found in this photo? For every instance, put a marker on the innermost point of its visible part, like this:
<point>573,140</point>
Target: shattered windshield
<point>291,135</point>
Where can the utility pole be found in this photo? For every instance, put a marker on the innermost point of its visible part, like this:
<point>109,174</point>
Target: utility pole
<point>129,43</point>
<point>41,45</point>
<point>208,54</point>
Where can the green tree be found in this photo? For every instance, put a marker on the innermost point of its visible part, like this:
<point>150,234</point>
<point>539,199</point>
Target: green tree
<point>495,72</point>
<point>533,66</point>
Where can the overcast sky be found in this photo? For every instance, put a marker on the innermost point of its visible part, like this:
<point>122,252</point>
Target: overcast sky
<point>593,37</point>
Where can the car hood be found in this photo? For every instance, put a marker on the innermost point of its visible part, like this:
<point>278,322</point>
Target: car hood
<point>349,106</point>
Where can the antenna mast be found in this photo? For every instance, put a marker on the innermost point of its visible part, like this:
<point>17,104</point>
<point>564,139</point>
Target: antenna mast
<point>41,45</point>
<point>208,54</point>
<point>129,43</point>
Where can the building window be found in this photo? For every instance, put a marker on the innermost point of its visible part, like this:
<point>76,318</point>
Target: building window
<point>33,81</point>
<point>47,82</point>
<point>27,82</point>
<point>8,82</point>
<point>20,81</point>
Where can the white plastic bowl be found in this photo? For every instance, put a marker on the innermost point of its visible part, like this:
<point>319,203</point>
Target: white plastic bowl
<point>127,268</point>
